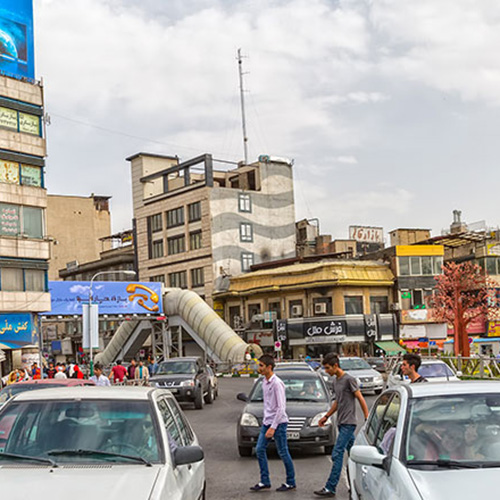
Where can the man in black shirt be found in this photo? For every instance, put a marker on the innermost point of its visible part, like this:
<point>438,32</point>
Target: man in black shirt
<point>409,367</point>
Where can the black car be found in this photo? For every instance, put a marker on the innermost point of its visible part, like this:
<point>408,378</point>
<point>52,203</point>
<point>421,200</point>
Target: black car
<point>308,399</point>
<point>187,379</point>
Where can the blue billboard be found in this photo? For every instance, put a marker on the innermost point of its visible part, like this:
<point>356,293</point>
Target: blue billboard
<point>17,330</point>
<point>112,297</point>
<point>17,57</point>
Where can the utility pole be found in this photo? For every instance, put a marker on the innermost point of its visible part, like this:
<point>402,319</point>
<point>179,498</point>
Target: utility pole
<point>242,99</point>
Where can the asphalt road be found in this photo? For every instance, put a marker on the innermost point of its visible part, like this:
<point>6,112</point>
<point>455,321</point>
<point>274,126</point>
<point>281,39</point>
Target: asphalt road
<point>230,476</point>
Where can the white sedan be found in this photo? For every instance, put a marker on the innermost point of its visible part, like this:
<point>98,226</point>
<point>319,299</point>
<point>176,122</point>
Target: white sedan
<point>429,442</point>
<point>110,442</point>
<point>434,370</point>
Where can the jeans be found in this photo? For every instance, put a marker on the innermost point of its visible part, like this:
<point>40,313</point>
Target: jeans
<point>282,447</point>
<point>345,440</point>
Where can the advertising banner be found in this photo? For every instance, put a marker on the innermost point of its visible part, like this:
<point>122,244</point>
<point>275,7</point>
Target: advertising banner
<point>112,297</point>
<point>17,330</point>
<point>16,38</point>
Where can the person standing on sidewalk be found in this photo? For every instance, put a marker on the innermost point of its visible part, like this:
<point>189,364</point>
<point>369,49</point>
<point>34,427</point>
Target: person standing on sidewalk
<point>273,426</point>
<point>346,392</point>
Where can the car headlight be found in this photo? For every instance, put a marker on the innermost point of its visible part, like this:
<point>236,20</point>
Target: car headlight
<point>249,420</point>
<point>378,380</point>
<point>187,383</point>
<point>315,420</point>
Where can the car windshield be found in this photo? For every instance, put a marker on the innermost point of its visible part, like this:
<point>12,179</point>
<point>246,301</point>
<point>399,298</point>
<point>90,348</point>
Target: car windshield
<point>432,370</point>
<point>453,430</point>
<point>11,390</point>
<point>297,389</point>
<point>291,366</point>
<point>43,428</point>
<point>176,367</point>
<point>349,364</point>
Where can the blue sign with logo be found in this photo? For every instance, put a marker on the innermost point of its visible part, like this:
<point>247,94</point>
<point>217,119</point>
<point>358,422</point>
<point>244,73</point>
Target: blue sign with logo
<point>112,297</point>
<point>17,330</point>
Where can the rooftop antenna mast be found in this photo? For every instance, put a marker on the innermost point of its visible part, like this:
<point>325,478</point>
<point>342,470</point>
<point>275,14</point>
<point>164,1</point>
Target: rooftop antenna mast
<point>242,100</point>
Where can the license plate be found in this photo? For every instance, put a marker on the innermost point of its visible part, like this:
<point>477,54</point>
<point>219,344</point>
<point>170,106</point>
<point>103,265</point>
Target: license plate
<point>293,435</point>
<point>174,391</point>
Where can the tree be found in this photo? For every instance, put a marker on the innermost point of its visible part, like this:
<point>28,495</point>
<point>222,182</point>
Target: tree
<point>463,293</point>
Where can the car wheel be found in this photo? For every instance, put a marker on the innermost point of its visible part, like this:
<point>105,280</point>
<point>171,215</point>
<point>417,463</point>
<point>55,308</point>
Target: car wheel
<point>209,398</point>
<point>378,391</point>
<point>198,399</point>
<point>245,451</point>
<point>328,450</point>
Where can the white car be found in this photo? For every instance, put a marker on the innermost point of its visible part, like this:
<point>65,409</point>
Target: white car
<point>110,442</point>
<point>368,378</point>
<point>434,370</point>
<point>429,442</point>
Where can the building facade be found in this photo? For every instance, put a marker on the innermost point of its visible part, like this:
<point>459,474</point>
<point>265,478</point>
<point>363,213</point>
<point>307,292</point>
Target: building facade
<point>24,248</point>
<point>75,227</point>
<point>196,226</point>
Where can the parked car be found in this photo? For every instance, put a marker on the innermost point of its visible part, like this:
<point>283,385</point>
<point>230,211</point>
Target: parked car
<point>434,370</point>
<point>187,378</point>
<point>308,400</point>
<point>377,363</point>
<point>429,442</point>
<point>214,381</point>
<point>292,365</point>
<point>368,378</point>
<point>47,383</point>
<point>122,442</point>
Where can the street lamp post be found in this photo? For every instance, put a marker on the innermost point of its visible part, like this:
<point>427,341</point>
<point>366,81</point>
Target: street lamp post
<point>100,273</point>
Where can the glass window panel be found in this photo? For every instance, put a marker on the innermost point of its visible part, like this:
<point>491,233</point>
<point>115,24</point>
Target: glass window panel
<point>353,305</point>
<point>194,210</point>
<point>244,202</point>
<point>246,261</point>
<point>8,118</point>
<point>9,172</point>
<point>246,232</point>
<point>156,223</point>
<point>404,266</point>
<point>31,176</point>
<point>405,299</point>
<point>415,266</point>
<point>12,280</point>
<point>197,277</point>
<point>438,264</point>
<point>35,280</point>
<point>418,298</point>
<point>427,268</point>
<point>195,240</point>
<point>33,222</point>
<point>379,305</point>
<point>9,220</point>
<point>157,249</point>
<point>176,244</point>
<point>491,265</point>
<point>175,217</point>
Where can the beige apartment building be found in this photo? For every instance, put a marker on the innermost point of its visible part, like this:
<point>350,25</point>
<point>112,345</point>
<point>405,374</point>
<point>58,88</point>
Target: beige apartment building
<point>77,227</point>
<point>196,226</point>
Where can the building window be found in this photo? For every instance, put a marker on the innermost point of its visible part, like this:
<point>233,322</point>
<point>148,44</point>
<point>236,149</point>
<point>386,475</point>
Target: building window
<point>404,266</point>
<point>246,261</point>
<point>379,305</point>
<point>175,217</point>
<point>275,309</point>
<point>20,122</point>
<point>22,280</point>
<point>353,304</point>
<point>244,202</point>
<point>34,280</point>
<point>235,319</point>
<point>418,299</point>
<point>157,249</point>
<point>194,211</point>
<point>246,232</point>
<point>176,244</point>
<point>178,280</point>
<point>12,280</point>
<point>16,173</point>
<point>420,266</point>
<point>195,240</point>
<point>159,278</point>
<point>16,220</point>
<point>197,277</point>
<point>155,223</point>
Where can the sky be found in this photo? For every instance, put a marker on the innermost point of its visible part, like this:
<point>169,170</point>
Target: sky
<point>388,108</point>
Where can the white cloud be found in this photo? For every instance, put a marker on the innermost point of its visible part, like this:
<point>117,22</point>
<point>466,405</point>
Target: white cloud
<point>350,160</point>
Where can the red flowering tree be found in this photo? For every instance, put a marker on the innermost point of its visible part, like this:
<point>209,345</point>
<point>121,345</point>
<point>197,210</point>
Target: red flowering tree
<point>463,293</point>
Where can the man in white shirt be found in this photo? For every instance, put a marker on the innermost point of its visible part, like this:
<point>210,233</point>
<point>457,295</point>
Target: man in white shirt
<point>98,378</point>
<point>60,373</point>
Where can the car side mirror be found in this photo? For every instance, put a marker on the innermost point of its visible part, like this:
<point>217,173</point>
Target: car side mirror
<point>242,397</point>
<point>459,374</point>
<point>367,455</point>
<point>185,455</point>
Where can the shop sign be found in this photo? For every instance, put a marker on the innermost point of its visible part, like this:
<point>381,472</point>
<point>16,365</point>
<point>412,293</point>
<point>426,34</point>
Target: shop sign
<point>366,234</point>
<point>9,219</point>
<point>323,339</point>
<point>29,124</point>
<point>32,176</point>
<point>17,330</point>
<point>9,172</point>
<point>371,327</point>
<point>324,328</point>
<point>8,118</point>
<point>494,329</point>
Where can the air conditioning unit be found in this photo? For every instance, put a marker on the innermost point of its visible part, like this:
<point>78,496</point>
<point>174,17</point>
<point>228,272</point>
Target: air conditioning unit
<point>297,310</point>
<point>320,308</point>
<point>394,306</point>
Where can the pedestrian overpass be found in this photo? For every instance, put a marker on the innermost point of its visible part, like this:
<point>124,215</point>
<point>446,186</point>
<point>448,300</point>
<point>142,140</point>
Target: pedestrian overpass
<point>185,311</point>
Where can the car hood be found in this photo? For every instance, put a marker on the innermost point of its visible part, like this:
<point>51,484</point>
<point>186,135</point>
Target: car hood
<point>80,482</point>
<point>363,373</point>
<point>177,378</point>
<point>293,409</point>
<point>459,484</point>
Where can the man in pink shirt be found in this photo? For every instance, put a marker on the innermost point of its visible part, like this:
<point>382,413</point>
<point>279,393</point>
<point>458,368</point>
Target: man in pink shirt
<point>274,426</point>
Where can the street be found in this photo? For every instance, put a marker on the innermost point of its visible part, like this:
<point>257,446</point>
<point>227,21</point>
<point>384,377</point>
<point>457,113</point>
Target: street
<point>228,475</point>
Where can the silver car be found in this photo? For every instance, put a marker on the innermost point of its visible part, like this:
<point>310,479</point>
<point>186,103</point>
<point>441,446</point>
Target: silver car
<point>368,378</point>
<point>429,442</point>
<point>434,370</point>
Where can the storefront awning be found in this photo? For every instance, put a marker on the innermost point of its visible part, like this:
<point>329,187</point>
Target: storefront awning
<point>390,347</point>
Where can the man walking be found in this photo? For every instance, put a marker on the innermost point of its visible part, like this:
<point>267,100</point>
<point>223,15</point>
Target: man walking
<point>346,391</point>
<point>410,365</point>
<point>274,425</point>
